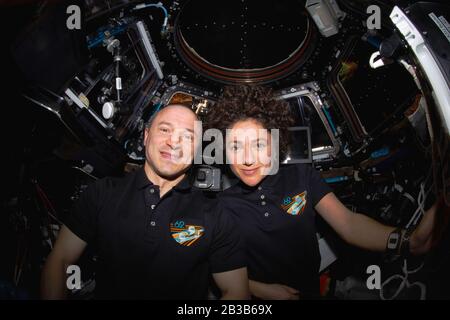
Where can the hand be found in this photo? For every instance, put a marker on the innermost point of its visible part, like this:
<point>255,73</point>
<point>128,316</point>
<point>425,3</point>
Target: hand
<point>273,291</point>
<point>431,228</point>
<point>441,222</point>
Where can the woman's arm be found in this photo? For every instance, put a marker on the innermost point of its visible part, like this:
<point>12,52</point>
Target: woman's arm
<point>272,291</point>
<point>362,231</point>
<point>421,239</point>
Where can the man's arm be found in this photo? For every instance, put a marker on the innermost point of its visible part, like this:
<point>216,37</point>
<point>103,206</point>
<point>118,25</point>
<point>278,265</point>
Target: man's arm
<point>362,231</point>
<point>67,250</point>
<point>233,284</point>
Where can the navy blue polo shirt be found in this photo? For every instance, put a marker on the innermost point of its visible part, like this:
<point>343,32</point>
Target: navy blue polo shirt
<point>150,247</point>
<point>277,220</point>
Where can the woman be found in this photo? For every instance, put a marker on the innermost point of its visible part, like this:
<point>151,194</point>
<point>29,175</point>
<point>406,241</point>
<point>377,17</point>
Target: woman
<point>276,213</point>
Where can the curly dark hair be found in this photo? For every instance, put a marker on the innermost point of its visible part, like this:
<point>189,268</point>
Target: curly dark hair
<point>245,102</point>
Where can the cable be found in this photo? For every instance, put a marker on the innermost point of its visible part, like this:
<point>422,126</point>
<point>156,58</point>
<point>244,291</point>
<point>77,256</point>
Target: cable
<point>47,203</point>
<point>421,198</point>
<point>20,260</point>
<point>420,208</point>
<point>157,5</point>
<point>404,282</point>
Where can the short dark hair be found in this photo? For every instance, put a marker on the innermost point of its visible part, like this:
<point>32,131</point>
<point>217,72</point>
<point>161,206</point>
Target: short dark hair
<point>153,116</point>
<point>245,102</point>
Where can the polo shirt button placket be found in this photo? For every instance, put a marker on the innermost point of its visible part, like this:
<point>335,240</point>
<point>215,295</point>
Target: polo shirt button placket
<point>153,215</point>
<point>263,203</point>
<point>152,207</point>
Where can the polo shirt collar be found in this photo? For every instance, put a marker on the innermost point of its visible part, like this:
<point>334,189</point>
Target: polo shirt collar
<point>142,181</point>
<point>185,184</point>
<point>268,183</point>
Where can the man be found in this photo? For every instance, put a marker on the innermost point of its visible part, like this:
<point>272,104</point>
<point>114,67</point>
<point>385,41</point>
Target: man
<point>156,236</point>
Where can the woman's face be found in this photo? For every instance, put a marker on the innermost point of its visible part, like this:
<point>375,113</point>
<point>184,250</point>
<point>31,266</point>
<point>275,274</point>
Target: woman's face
<point>249,151</point>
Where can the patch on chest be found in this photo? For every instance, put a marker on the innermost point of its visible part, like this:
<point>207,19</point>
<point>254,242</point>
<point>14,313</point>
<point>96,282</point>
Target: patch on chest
<point>294,205</point>
<point>185,234</point>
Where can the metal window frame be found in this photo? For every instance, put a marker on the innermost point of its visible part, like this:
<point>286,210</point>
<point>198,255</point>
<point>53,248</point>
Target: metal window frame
<point>311,91</point>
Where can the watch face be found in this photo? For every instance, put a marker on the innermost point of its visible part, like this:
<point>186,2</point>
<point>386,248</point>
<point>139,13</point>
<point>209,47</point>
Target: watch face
<point>393,240</point>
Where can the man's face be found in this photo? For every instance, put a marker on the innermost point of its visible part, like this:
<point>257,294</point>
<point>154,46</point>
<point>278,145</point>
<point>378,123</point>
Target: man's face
<point>170,141</point>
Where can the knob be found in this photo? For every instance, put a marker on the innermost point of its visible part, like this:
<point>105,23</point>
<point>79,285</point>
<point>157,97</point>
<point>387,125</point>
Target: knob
<point>108,110</point>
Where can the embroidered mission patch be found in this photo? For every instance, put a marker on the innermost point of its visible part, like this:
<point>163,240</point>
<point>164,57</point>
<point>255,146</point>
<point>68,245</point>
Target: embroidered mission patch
<point>186,234</point>
<point>294,205</point>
